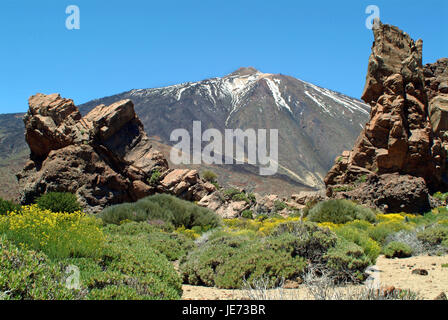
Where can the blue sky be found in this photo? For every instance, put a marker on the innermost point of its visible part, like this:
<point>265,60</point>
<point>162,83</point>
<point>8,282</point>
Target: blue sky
<point>123,45</point>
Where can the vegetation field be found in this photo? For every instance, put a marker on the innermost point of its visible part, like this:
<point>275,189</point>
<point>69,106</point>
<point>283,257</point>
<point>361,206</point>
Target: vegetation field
<point>52,250</point>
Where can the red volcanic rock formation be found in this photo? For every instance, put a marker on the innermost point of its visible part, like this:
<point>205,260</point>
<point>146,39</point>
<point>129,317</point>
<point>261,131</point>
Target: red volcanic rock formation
<point>104,157</point>
<point>399,146</point>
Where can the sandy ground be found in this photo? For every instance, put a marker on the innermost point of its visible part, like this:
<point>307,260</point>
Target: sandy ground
<point>392,272</point>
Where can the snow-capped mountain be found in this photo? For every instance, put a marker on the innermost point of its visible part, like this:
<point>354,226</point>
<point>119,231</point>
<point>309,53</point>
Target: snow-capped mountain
<point>314,124</point>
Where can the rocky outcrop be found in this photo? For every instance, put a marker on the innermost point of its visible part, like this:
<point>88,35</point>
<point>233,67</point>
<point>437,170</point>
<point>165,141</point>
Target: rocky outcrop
<point>104,157</point>
<point>230,207</point>
<point>436,81</point>
<point>399,137</point>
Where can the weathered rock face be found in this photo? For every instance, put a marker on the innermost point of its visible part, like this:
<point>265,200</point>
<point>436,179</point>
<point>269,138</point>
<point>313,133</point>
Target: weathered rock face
<point>104,158</point>
<point>399,137</point>
<point>436,81</point>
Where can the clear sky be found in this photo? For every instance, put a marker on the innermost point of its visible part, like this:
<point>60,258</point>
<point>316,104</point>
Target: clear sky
<point>132,44</point>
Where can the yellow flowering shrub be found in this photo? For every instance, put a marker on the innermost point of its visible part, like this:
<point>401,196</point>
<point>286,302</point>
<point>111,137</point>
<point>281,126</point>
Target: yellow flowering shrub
<point>330,225</point>
<point>57,234</point>
<point>189,233</point>
<point>261,227</point>
<point>395,217</point>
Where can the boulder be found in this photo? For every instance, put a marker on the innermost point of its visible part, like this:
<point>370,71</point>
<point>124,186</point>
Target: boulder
<point>391,193</point>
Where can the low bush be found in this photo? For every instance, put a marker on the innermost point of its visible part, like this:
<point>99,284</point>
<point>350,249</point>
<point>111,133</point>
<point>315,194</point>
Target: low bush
<point>440,196</point>
<point>272,260</point>
<point>360,237</point>
<point>382,230</point>
<point>130,268</point>
<point>247,214</point>
<point>155,177</point>
<point>59,202</point>
<point>162,207</point>
<point>209,176</point>
<point>252,197</point>
<point>409,238</point>
<point>340,211</point>
<point>229,261</point>
<point>8,206</point>
<point>347,262</point>
<point>29,275</point>
<point>226,262</point>
<point>240,197</point>
<point>279,205</point>
<point>310,241</point>
<point>433,235</point>
<point>173,245</point>
<point>55,233</point>
<point>229,193</point>
<point>123,212</point>
<point>397,250</point>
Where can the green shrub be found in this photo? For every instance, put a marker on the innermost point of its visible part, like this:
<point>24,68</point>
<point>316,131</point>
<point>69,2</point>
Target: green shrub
<point>445,243</point>
<point>122,212</point>
<point>247,214</point>
<point>209,176</point>
<point>162,207</point>
<point>344,188</point>
<point>440,196</point>
<point>396,249</point>
<point>252,197</point>
<point>379,233</point>
<point>433,235</point>
<point>340,211</point>
<point>201,265</point>
<point>129,269</point>
<point>360,224</point>
<point>259,260</point>
<point>240,197</point>
<point>8,206</point>
<point>29,275</point>
<point>229,193</point>
<point>227,261</point>
<point>279,205</point>
<point>310,241</point>
<point>360,237</point>
<point>155,177</point>
<point>347,261</point>
<point>361,179</point>
<point>59,202</point>
<point>174,246</point>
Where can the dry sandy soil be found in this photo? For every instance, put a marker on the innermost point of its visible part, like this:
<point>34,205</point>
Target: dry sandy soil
<point>392,272</point>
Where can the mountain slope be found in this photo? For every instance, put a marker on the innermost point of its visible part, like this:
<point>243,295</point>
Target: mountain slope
<point>314,124</point>
<point>13,153</point>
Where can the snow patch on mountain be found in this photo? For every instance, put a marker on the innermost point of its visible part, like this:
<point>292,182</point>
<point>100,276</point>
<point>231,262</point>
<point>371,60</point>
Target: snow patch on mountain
<point>318,102</point>
<point>273,85</point>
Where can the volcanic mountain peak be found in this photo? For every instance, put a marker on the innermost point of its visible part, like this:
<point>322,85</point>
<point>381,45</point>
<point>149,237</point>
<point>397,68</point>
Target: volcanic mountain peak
<point>244,71</point>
